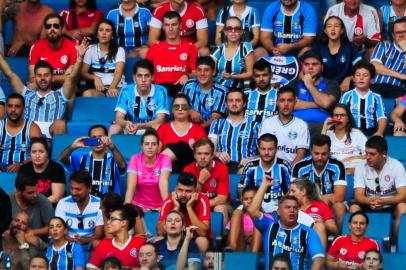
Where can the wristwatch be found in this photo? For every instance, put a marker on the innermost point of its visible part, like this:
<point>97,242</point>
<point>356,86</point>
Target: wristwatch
<point>24,246</point>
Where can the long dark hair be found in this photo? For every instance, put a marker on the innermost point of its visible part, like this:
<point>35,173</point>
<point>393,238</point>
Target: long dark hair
<point>113,47</point>
<point>90,4</point>
<point>351,122</point>
<point>323,38</point>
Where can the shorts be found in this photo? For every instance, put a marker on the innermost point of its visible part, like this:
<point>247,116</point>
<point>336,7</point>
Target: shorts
<point>184,155</point>
<point>44,126</point>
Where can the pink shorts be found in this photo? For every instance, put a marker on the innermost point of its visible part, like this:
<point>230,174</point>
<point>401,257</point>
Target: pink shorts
<point>247,222</point>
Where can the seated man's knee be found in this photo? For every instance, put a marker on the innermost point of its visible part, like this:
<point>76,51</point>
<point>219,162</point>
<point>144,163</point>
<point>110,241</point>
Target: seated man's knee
<point>355,208</point>
<point>400,208</point>
<point>115,129</point>
<point>58,127</point>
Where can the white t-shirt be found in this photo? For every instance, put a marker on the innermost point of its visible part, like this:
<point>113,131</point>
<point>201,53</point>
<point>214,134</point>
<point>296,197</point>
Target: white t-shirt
<point>392,176</point>
<point>104,71</point>
<point>365,23</point>
<point>291,136</point>
<point>340,149</point>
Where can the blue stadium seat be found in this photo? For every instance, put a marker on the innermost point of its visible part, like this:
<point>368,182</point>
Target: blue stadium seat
<point>7,180</point>
<point>217,228</point>
<point>81,128</point>
<point>240,260</point>
<point>260,6</point>
<point>94,109</point>
<point>8,32</point>
<point>127,144</point>
<point>389,104</point>
<point>20,66</point>
<point>397,148</point>
<point>59,143</point>
<point>172,182</point>
<point>394,261</point>
<point>106,5</point>
<point>128,69</point>
<point>349,195</point>
<point>151,221</point>
<point>56,5</point>
<point>401,247</point>
<point>123,184</point>
<point>234,180</point>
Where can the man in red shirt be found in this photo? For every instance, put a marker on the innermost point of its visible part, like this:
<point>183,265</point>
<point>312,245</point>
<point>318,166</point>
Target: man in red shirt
<point>212,176</point>
<point>195,207</point>
<point>174,60</point>
<point>347,252</point>
<point>193,28</point>
<point>55,49</point>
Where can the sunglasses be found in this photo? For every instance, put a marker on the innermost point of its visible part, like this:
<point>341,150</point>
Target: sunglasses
<point>378,186</point>
<point>111,219</point>
<point>233,29</point>
<point>183,107</point>
<point>40,102</point>
<point>54,25</point>
<point>80,219</point>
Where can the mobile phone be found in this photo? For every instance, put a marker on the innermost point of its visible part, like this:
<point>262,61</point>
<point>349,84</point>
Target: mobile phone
<point>91,142</point>
<point>335,121</point>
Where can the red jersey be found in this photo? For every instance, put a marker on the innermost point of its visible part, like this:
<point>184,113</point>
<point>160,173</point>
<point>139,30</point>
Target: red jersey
<point>172,61</point>
<point>319,210</point>
<point>167,134</point>
<point>60,59</point>
<point>217,184</point>
<point>83,19</point>
<point>193,17</point>
<point>128,255</point>
<point>343,248</point>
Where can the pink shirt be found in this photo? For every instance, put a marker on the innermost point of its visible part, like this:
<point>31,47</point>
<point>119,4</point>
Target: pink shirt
<point>147,193</point>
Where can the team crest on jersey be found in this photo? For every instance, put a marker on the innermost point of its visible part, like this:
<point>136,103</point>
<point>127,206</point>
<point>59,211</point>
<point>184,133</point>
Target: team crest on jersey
<point>343,251</point>
<point>361,254</point>
<point>91,224</point>
<point>213,183</point>
<point>244,135</point>
<point>64,59</point>
<point>342,59</point>
<point>325,60</point>
<point>190,23</point>
<point>157,172</point>
<point>278,23</point>
<point>358,31</point>
<point>295,241</point>
<point>50,99</point>
<point>121,24</point>
<point>387,178</point>
<point>133,252</point>
<point>371,109</point>
<point>281,234</point>
<point>209,101</point>
<point>151,105</point>
<point>296,26</point>
<point>271,102</point>
<point>90,15</point>
<point>69,255</point>
<point>292,135</point>
<point>192,141</point>
<point>183,56</point>
<point>69,222</point>
<point>136,24</point>
<point>314,209</point>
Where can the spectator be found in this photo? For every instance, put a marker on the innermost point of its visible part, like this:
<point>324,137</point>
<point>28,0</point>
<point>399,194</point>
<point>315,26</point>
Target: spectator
<point>149,257</point>
<point>267,164</point>
<point>45,106</point>
<point>387,191</point>
<point>373,260</point>
<point>327,173</point>
<point>104,63</point>
<point>19,244</point>
<point>212,177</point>
<point>5,213</point>
<point>355,245</point>
<point>291,39</point>
<point>57,50</point>
<point>234,57</point>
<point>388,14</point>
<point>148,174</point>
<point>347,142</point>
<point>17,133</point>
<point>309,249</point>
<point>174,59</point>
<point>234,137</point>
<point>213,260</point>
<point>132,25</point>
<point>193,23</point>
<point>337,52</point>
<point>194,207</point>
<point>38,262</point>
<point>387,57</point>
<point>37,206</point>
<point>50,175</point>
<point>315,94</point>
<point>81,18</point>
<point>178,247</point>
<point>104,161</point>
<point>61,253</point>
<point>111,263</point>
<point>399,127</point>
<point>206,95</point>
<point>250,21</point>
<point>81,211</point>
<point>292,132</point>
<point>27,18</point>
<point>178,136</point>
<point>281,262</point>
<point>142,104</point>
<point>261,102</point>
<point>366,107</point>
<point>361,22</point>
<point>2,104</point>
<point>122,246</point>
<point>310,202</point>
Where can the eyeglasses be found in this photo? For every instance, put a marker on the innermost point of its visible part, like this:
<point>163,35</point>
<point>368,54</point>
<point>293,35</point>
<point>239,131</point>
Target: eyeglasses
<point>233,28</point>
<point>80,223</point>
<point>54,25</point>
<point>341,115</point>
<point>377,185</point>
<point>111,219</point>
<point>400,33</point>
<point>40,102</point>
<point>182,107</point>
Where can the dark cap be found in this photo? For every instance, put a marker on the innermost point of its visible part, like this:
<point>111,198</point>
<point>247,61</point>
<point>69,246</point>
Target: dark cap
<point>312,54</point>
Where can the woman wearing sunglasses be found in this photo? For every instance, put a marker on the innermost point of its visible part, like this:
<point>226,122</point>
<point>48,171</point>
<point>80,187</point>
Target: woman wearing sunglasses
<point>179,135</point>
<point>103,64</point>
<point>235,58</point>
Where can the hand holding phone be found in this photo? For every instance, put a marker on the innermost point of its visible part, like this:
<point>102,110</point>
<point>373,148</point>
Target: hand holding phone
<point>91,142</point>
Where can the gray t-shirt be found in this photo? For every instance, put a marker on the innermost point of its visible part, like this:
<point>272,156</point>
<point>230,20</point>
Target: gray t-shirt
<point>40,213</point>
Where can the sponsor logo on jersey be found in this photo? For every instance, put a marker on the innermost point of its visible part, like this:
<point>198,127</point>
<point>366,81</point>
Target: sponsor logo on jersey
<point>286,149</point>
<point>175,68</point>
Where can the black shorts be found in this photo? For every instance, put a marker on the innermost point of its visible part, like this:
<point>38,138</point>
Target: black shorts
<point>388,91</point>
<point>184,155</point>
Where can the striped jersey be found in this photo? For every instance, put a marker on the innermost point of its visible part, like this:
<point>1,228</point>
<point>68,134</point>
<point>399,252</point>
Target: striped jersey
<point>253,173</point>
<point>140,109</point>
<point>14,149</point>
<point>239,140</point>
<point>367,110</point>
<point>301,244</point>
<point>206,103</point>
<point>132,32</point>
<point>236,65</point>
<point>332,174</point>
<point>392,57</point>
<point>260,105</point>
<point>388,18</point>
<point>69,257</point>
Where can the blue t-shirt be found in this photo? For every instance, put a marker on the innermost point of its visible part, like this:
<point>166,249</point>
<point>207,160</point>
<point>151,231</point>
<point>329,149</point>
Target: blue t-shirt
<point>169,257</point>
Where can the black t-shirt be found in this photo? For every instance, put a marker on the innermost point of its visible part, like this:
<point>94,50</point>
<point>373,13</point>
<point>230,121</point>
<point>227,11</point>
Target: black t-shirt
<point>54,173</point>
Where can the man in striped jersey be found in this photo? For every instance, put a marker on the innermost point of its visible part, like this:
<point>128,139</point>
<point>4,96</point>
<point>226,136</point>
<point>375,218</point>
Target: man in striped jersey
<point>389,61</point>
